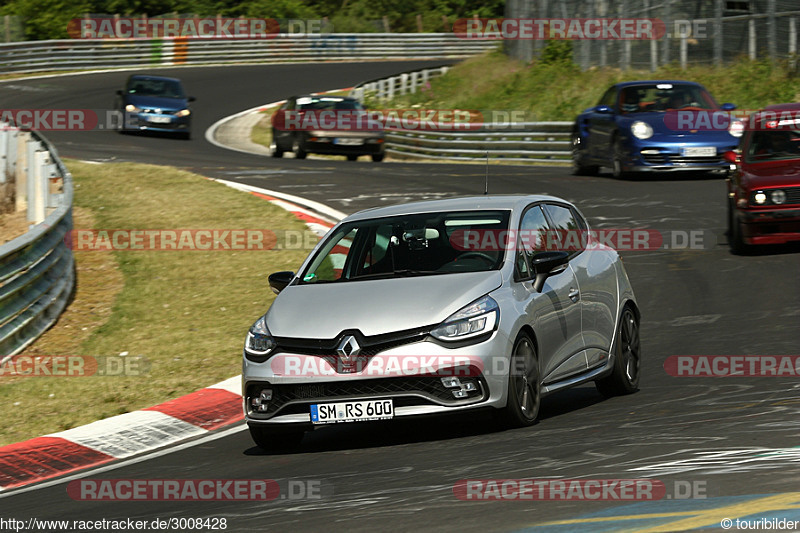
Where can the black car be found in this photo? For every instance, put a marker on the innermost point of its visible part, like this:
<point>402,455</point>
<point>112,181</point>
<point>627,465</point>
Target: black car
<point>318,124</point>
<point>155,103</point>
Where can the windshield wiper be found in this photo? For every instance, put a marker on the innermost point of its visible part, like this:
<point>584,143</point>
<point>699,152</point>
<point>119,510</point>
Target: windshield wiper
<point>402,273</point>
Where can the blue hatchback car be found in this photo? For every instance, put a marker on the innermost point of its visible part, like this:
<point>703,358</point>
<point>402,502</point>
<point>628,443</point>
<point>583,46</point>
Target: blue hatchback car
<point>155,103</point>
<point>654,126</point>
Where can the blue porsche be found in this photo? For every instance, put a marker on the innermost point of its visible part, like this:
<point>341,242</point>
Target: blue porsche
<point>654,126</point>
<point>155,103</point>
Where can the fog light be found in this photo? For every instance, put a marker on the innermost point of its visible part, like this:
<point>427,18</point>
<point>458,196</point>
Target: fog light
<point>469,387</point>
<point>451,382</point>
<point>777,196</point>
<point>760,197</point>
<point>266,395</point>
<point>460,393</point>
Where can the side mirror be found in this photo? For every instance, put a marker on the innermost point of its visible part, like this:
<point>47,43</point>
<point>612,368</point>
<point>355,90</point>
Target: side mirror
<point>603,109</point>
<point>727,107</point>
<point>732,157</point>
<point>191,99</point>
<point>279,280</point>
<point>546,264</point>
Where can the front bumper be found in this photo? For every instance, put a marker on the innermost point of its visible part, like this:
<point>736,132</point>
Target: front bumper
<point>157,122</point>
<point>411,384</point>
<point>772,226</point>
<point>666,157</point>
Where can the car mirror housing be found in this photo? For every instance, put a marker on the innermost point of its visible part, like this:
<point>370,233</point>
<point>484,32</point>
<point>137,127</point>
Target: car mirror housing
<point>728,107</point>
<point>279,280</point>
<point>603,109</point>
<point>546,264</point>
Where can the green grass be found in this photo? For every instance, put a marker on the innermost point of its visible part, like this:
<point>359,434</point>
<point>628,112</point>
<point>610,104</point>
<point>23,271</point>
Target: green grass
<point>186,312</point>
<point>560,90</point>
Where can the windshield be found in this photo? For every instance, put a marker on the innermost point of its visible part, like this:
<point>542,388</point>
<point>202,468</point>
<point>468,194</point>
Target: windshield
<point>403,246</point>
<point>773,146</point>
<point>663,97</point>
<point>329,103</point>
<point>159,88</point>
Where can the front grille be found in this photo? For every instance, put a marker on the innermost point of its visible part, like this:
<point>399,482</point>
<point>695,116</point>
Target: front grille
<point>792,195</point>
<point>159,112</point>
<point>707,160</point>
<point>409,390</point>
<point>654,159</point>
<point>370,345</point>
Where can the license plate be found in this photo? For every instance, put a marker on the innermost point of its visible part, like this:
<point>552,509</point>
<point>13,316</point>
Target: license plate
<point>348,142</point>
<point>159,120</point>
<point>332,413</point>
<point>699,151</point>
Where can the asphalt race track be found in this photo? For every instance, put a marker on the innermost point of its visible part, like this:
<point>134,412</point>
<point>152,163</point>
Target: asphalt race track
<point>736,438</point>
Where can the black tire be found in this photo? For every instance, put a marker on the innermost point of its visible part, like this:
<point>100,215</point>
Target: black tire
<point>579,169</point>
<point>377,158</point>
<point>524,384</point>
<point>735,238</point>
<point>616,163</point>
<point>298,151</point>
<point>624,377</point>
<point>352,157</point>
<point>275,148</point>
<point>270,440</point>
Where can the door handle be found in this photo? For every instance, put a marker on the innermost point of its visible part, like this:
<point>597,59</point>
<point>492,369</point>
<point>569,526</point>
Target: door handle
<point>574,295</point>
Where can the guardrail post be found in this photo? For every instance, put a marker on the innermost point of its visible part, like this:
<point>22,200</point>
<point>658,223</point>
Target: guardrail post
<point>41,187</point>
<point>751,38</point>
<point>404,84</point>
<point>3,152</point>
<point>414,81</point>
<point>21,171</point>
<point>390,89</point>
<point>30,171</point>
<point>792,41</point>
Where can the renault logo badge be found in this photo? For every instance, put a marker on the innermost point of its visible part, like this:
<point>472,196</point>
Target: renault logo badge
<point>348,349</point>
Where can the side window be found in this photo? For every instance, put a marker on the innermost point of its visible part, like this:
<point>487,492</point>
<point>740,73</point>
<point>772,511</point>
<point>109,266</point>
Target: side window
<point>566,228</point>
<point>608,98</point>
<point>533,231</point>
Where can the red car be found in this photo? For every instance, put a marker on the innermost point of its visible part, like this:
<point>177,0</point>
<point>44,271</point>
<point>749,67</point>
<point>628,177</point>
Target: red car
<point>764,182</point>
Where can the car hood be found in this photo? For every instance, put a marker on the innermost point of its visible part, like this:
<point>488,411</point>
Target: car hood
<point>170,104</point>
<point>375,307</point>
<point>666,127</point>
<point>772,173</point>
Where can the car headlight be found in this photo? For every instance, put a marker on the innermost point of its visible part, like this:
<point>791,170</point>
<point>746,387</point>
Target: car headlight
<point>259,342</point>
<point>641,130</point>
<point>759,197</point>
<point>475,319</point>
<point>736,128</point>
<point>183,113</point>
<point>777,196</point>
<point>130,108</point>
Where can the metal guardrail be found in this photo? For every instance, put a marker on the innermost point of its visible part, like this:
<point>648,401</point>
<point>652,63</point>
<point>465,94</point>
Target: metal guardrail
<point>531,142</point>
<point>37,272</point>
<point>73,54</point>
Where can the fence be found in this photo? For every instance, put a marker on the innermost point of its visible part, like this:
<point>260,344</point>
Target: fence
<point>37,272</point>
<point>710,32</point>
<point>59,55</point>
<point>533,142</point>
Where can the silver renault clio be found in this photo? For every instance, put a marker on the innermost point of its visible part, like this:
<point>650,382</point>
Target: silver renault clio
<point>441,307</point>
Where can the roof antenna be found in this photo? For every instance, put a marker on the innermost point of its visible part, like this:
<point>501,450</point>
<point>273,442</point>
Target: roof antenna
<point>486,186</point>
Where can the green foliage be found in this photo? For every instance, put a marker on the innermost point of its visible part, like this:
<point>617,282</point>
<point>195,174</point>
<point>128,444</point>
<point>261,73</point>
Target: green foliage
<point>558,51</point>
<point>556,89</point>
<point>47,19</point>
